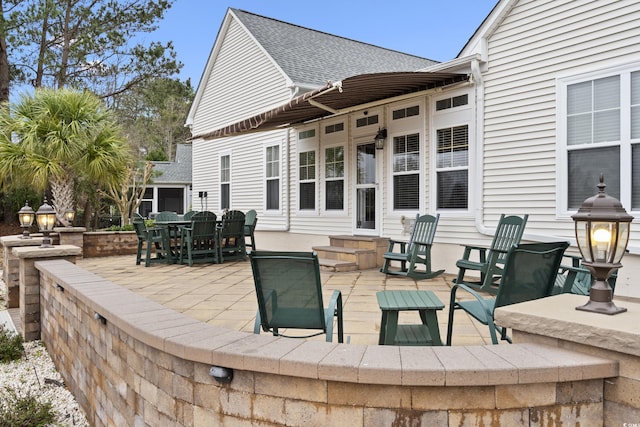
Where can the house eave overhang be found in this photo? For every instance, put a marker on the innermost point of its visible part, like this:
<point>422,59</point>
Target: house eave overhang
<point>336,98</point>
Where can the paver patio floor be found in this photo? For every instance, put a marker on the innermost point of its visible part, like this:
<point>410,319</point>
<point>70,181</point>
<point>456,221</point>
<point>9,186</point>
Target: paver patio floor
<point>224,295</point>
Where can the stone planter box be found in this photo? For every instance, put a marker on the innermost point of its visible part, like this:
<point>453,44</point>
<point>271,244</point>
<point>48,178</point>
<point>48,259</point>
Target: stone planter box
<point>109,243</point>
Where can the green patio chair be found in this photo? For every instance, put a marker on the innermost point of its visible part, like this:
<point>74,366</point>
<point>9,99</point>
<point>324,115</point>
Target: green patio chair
<point>491,260</point>
<point>416,252</point>
<point>250,221</point>
<point>187,216</point>
<point>199,241</point>
<point>576,278</point>
<point>167,216</point>
<point>231,237</point>
<point>289,293</point>
<point>529,273</point>
<point>152,239</point>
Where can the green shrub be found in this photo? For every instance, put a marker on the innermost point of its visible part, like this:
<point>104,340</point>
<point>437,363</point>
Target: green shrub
<point>127,227</point>
<point>10,345</point>
<point>24,410</point>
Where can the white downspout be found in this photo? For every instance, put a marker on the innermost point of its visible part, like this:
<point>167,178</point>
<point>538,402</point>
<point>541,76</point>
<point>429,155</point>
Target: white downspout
<point>287,175</point>
<point>478,203</point>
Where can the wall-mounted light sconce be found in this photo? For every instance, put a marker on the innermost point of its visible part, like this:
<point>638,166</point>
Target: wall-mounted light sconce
<point>69,215</point>
<point>26,215</point>
<point>46,218</point>
<point>220,374</point>
<point>100,318</point>
<point>381,136</point>
<point>602,233</point>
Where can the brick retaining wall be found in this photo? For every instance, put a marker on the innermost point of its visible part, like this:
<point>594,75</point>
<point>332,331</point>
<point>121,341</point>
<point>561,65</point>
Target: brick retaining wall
<point>147,364</point>
<point>109,243</point>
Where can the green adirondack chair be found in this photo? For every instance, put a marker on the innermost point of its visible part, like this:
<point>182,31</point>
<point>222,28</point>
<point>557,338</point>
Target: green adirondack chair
<point>250,221</point>
<point>529,273</point>
<point>198,241</point>
<point>231,237</point>
<point>152,239</point>
<point>491,260</point>
<point>416,252</point>
<point>187,216</point>
<point>576,278</point>
<point>289,293</point>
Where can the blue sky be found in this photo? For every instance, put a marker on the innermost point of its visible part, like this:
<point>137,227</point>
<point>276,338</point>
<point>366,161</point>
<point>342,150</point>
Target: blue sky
<point>434,29</point>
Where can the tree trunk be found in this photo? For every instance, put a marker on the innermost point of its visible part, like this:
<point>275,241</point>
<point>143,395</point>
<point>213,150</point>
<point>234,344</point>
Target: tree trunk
<point>4,59</point>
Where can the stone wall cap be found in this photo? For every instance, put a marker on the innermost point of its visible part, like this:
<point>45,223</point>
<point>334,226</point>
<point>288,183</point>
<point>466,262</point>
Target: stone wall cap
<point>557,317</point>
<point>69,229</point>
<point>17,240</point>
<point>38,252</point>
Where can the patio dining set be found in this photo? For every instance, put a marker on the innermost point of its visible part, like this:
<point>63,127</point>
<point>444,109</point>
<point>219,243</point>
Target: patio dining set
<point>197,237</point>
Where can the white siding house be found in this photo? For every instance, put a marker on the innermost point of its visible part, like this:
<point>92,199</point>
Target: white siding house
<point>550,100</point>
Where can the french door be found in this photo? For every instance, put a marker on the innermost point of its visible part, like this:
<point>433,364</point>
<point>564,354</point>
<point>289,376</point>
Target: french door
<point>367,197</point>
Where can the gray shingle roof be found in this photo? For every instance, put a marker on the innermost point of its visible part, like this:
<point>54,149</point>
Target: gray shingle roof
<point>178,171</point>
<point>312,57</point>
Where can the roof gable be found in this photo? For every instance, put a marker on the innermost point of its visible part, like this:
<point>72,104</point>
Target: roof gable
<point>477,42</point>
<point>308,58</point>
<point>313,57</point>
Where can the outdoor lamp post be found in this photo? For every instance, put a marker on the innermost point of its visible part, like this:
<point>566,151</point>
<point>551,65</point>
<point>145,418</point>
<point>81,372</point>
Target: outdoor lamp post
<point>46,218</point>
<point>69,215</point>
<point>602,233</point>
<point>26,215</point>
<point>380,137</point>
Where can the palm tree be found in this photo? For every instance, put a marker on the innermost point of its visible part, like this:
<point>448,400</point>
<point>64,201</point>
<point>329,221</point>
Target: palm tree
<point>61,139</point>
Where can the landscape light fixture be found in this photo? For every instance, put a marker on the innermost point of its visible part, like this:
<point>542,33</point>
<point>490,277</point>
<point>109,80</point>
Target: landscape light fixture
<point>46,218</point>
<point>26,215</point>
<point>602,233</point>
<point>221,374</point>
<point>69,215</point>
<point>380,138</point>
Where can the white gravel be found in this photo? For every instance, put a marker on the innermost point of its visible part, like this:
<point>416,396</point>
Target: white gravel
<point>36,375</point>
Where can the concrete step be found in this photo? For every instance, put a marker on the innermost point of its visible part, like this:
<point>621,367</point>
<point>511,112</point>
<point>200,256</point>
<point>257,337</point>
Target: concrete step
<point>362,258</point>
<point>337,266</point>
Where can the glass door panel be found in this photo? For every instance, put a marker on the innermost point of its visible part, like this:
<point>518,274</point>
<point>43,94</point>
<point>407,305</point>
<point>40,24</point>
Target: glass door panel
<point>366,189</point>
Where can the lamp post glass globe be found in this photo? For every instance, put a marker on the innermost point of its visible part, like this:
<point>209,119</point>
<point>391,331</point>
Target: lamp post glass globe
<point>46,219</point>
<point>602,233</point>
<point>26,216</point>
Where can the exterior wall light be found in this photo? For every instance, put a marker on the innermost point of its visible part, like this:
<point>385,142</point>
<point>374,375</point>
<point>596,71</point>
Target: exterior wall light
<point>220,374</point>
<point>380,138</point>
<point>69,215</point>
<point>46,218</point>
<point>26,215</point>
<point>602,233</point>
<point>100,318</point>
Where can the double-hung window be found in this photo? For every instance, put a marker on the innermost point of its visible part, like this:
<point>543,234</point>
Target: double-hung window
<point>334,178</point>
<point>225,182</point>
<point>406,172</point>
<point>272,168</point>
<point>601,122</point>
<point>307,180</point>
<point>452,167</point>
<point>451,121</point>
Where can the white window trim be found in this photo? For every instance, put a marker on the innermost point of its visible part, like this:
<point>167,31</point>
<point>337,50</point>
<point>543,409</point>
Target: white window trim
<point>314,211</point>
<point>562,82</point>
<point>345,185</point>
<point>451,118</point>
<point>272,212</point>
<point>220,156</point>
<point>421,171</point>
